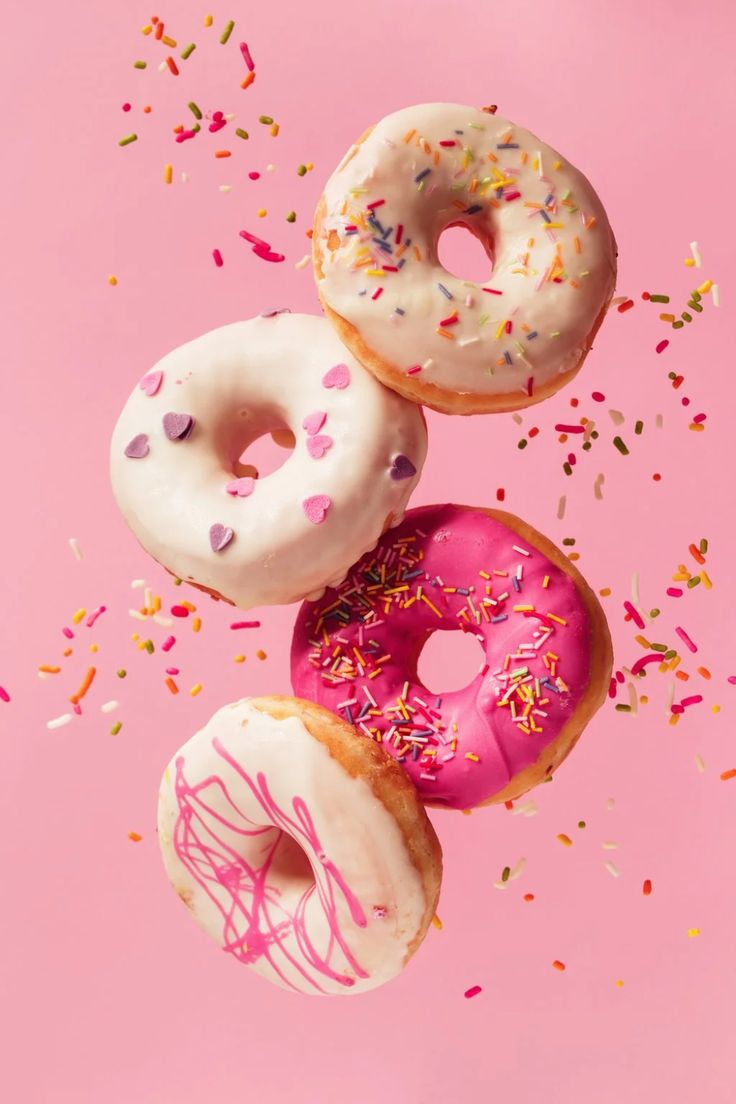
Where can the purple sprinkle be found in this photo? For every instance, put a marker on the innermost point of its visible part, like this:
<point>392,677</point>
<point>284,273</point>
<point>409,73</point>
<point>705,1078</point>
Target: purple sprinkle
<point>220,536</point>
<point>138,447</point>
<point>402,467</point>
<point>178,427</point>
<point>447,294</point>
<point>420,176</point>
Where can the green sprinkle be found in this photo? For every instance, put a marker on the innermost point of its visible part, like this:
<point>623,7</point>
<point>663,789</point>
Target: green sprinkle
<point>594,434</point>
<point>623,708</point>
<point>654,612</point>
<point>227,32</point>
<point>522,443</point>
<point>140,64</point>
<point>693,305</point>
<point>505,873</point>
<point>291,217</point>
<point>242,133</point>
<point>581,824</point>
<point>194,110</point>
<point>693,582</point>
<point>672,375</point>
<point>267,120</point>
<point>703,546</point>
<point>196,128</point>
<point>116,728</point>
<point>686,317</point>
<point>670,654</point>
<point>658,647</point>
<point>188,51</point>
<point>568,540</point>
<point>587,446</point>
<point>638,427</point>
<point>149,647</point>
<point>122,672</point>
<point>128,139</point>
<point>696,296</point>
<point>659,298</point>
<point>677,325</point>
<point>567,468</point>
<point>620,446</point>
<point>177,581</point>
<point>301,170</point>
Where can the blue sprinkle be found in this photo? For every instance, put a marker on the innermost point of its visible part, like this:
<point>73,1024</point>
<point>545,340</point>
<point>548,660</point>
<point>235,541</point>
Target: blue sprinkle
<point>532,335</point>
<point>550,686</point>
<point>421,175</point>
<point>507,357</point>
<point>499,617</point>
<point>364,710</point>
<point>384,245</point>
<point>400,311</point>
<point>387,232</point>
<point>474,209</point>
<point>438,703</point>
<point>507,145</point>
<point>545,216</point>
<point>348,714</point>
<point>401,263</point>
<point>549,199</point>
<point>412,574</point>
<point>459,132</point>
<point>415,752</point>
<point>517,585</point>
<point>363,292</point>
<point>355,231</point>
<point>445,292</point>
<point>407,243</point>
<point>463,590</point>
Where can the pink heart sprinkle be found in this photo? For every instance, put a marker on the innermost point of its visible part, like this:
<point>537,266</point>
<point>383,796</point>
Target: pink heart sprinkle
<point>178,427</point>
<point>338,377</point>
<point>316,507</point>
<point>220,536</point>
<point>318,446</point>
<point>314,422</point>
<point>241,487</point>
<point>138,447</point>
<point>151,384</point>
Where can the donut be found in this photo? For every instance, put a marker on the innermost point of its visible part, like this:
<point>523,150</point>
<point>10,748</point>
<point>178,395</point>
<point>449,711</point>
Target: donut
<point>176,471</point>
<point>299,846</point>
<point>452,344</point>
<point>546,653</point>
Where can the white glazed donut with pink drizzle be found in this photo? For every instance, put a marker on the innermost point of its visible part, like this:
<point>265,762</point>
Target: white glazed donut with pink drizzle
<point>176,449</point>
<point>299,846</point>
<point>457,345</point>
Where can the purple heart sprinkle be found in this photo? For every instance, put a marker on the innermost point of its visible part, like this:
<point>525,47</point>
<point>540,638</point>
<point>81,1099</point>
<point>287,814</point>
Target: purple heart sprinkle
<point>220,536</point>
<point>138,447</point>
<point>178,427</point>
<point>402,467</point>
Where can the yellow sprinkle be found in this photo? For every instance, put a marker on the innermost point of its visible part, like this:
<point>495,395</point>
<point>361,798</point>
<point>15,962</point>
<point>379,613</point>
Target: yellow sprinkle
<point>619,984</point>
<point>690,262</point>
<point>472,757</point>
<point>705,580</point>
<point>434,609</point>
<point>168,174</point>
<point>196,624</point>
<point>196,689</point>
<point>554,617</point>
<point>522,609</point>
<point>147,29</point>
<point>274,129</point>
<point>545,582</point>
<point>437,922</point>
<point>262,212</point>
<point>716,708</point>
<point>705,286</point>
<point>500,330</point>
<point>170,42</point>
<point>78,616</point>
<point>94,647</point>
<point>208,21</point>
<point>557,165</point>
<point>112,281</point>
<point>375,272</point>
<point>240,659</point>
<point>693,932</point>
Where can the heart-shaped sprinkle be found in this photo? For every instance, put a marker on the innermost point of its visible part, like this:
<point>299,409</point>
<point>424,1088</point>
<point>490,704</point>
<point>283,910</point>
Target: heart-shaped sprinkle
<point>402,467</point>
<point>314,422</point>
<point>337,377</point>
<point>220,536</point>
<point>138,447</point>
<point>316,507</point>
<point>151,384</point>
<point>178,427</point>
<point>318,446</point>
<point>241,487</point>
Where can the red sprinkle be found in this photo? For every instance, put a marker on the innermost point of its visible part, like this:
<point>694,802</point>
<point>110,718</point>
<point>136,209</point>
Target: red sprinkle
<point>634,615</point>
<point>674,592</point>
<point>642,661</point>
<point>217,257</point>
<point>246,56</point>
<point>126,107</point>
<point>685,638</point>
<point>180,611</point>
<point>172,66</point>
<point>473,991</point>
<point>4,695</point>
<point>245,625</point>
<point>500,494</point>
<point>662,345</point>
<point>647,887</point>
<point>598,396</point>
<point>254,175</point>
<point>623,307</point>
<point>168,644</point>
<point>728,774</point>
<point>376,203</point>
<point>569,429</point>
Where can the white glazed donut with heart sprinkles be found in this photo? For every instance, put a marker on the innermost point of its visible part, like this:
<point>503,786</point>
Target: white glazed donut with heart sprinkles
<point>358,450</point>
<point>459,346</point>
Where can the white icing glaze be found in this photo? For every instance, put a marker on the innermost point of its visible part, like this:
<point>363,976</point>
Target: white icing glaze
<point>557,209</point>
<point>232,858</point>
<point>238,383</point>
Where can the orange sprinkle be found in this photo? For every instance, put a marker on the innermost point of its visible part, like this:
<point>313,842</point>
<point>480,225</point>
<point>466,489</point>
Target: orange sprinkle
<point>247,82</point>
<point>134,837</point>
<point>528,896</point>
<point>172,685</point>
<point>696,554</point>
<point>47,670</point>
<point>578,246</point>
<point>86,683</point>
<point>508,804</point>
<point>558,965</point>
<point>261,654</point>
<point>604,592</point>
<point>704,672</point>
<point>727,775</point>
<point>409,135</point>
<point>159,29</point>
<point>196,624</point>
<point>564,839</point>
<point>222,153</point>
<point>647,887</point>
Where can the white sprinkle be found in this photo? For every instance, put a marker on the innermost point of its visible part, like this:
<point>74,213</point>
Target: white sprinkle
<point>226,187</point>
<point>609,845</point>
<point>136,584</point>
<point>521,551</point>
<point>699,763</point>
<point>516,870</point>
<point>695,250</point>
<point>230,116</point>
<point>74,545</point>
<point>635,588</point>
<point>163,67</point>
<point>109,706</point>
<point>165,622</point>
<point>428,777</point>
<point>659,421</point>
<point>597,486</point>
<point>612,869</point>
<point>669,698</point>
<point>59,722</point>
<point>610,804</point>
<point>715,295</point>
<point>500,885</point>
<point>616,417</point>
<point>304,261</point>
<point>429,363</point>
<point>185,178</point>
<point>137,615</point>
<point>527,809</point>
<point>468,341</point>
<point>517,418</point>
<point>618,299</point>
<point>270,168</point>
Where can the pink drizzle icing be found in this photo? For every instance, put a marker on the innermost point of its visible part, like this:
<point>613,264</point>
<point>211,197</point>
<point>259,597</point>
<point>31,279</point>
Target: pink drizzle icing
<point>259,921</point>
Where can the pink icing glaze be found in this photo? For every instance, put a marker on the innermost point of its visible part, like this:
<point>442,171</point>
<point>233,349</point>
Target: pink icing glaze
<point>536,639</point>
<point>256,919</point>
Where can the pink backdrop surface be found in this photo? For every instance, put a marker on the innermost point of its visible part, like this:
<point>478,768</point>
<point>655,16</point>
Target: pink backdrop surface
<point>109,992</point>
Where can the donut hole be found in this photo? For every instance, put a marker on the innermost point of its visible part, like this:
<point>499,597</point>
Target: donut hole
<point>290,865</point>
<point>449,660</point>
<point>465,253</point>
<point>263,451</point>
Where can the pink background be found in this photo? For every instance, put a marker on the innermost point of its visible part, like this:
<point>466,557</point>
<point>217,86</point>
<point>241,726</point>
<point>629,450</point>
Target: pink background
<point>110,994</point>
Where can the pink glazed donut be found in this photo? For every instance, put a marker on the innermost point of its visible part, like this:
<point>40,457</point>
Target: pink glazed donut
<point>544,635</point>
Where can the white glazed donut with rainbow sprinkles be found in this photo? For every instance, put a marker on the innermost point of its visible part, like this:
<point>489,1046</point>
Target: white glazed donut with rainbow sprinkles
<point>180,484</point>
<point>456,345</point>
